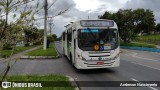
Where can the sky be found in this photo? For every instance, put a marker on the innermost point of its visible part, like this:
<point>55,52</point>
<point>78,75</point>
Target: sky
<point>81,9</point>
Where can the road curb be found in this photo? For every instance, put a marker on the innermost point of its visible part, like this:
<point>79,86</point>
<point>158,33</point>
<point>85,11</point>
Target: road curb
<point>73,83</point>
<point>39,57</point>
<point>141,49</point>
<point>56,50</point>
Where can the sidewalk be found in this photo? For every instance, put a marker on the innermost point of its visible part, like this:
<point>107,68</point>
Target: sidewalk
<point>158,46</point>
<point>18,55</point>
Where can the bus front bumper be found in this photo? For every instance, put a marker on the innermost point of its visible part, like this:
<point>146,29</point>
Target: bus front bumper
<point>82,64</point>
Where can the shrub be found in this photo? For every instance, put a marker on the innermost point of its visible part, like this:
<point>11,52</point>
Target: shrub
<point>27,44</point>
<point>7,47</point>
<point>50,39</point>
<point>37,43</point>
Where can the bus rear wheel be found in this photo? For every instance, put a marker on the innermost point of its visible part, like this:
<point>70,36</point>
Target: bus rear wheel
<point>71,60</point>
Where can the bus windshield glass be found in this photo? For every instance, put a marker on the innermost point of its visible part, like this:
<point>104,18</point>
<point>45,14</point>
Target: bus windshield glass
<point>97,39</point>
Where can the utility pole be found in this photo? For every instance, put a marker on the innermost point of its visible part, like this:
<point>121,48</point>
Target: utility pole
<point>50,28</point>
<point>50,25</point>
<point>45,24</point>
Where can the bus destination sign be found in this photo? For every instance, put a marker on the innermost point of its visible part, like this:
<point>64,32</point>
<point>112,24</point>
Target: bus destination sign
<point>97,23</point>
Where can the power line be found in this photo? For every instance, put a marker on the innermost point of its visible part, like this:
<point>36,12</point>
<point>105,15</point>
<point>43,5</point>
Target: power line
<point>52,4</point>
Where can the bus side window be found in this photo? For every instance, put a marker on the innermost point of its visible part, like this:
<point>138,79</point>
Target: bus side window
<point>70,35</point>
<point>63,36</point>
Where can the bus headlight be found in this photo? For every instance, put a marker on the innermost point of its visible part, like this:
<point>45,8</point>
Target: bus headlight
<point>112,52</point>
<point>115,57</point>
<point>81,57</point>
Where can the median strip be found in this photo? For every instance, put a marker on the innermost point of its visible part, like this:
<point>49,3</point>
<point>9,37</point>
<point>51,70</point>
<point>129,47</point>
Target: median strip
<point>50,53</point>
<point>7,53</point>
<point>141,49</point>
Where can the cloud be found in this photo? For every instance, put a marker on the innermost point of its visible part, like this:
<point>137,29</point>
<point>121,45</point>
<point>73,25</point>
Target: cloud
<point>71,16</point>
<point>153,5</point>
<point>113,5</point>
<point>92,8</point>
<point>82,10</point>
<point>84,5</point>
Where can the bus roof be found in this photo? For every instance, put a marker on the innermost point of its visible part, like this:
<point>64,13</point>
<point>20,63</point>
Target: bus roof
<point>92,23</point>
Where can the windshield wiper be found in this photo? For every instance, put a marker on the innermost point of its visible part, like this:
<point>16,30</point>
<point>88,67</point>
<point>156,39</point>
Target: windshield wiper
<point>92,33</point>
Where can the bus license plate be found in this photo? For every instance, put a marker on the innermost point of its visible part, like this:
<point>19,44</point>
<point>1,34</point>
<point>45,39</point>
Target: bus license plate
<point>100,63</point>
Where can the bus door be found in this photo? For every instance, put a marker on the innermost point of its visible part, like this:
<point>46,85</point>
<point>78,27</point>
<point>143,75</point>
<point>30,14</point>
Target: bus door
<point>74,44</point>
<point>68,43</point>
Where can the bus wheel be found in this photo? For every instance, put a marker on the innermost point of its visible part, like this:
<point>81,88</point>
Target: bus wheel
<point>72,61</point>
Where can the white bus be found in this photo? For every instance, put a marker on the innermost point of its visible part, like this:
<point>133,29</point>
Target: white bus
<point>91,44</point>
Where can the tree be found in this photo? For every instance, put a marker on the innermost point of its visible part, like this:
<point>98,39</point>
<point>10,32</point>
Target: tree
<point>59,38</point>
<point>54,36</point>
<point>106,15</point>
<point>25,22</point>
<point>158,27</point>
<point>13,29</point>
<point>126,25</point>
<point>10,31</point>
<point>132,22</point>
<point>8,6</point>
<point>144,21</point>
<point>30,34</point>
<point>2,22</point>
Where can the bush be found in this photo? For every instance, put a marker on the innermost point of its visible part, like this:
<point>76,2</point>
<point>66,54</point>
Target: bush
<point>37,43</point>
<point>152,39</point>
<point>27,44</point>
<point>7,47</point>
<point>50,39</point>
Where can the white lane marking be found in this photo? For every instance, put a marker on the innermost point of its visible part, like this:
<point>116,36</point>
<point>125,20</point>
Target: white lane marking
<point>140,82</point>
<point>134,55</point>
<point>144,58</point>
<point>153,88</point>
<point>145,66</point>
<point>134,79</point>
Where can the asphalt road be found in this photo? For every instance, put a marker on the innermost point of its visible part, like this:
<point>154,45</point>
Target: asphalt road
<point>134,66</point>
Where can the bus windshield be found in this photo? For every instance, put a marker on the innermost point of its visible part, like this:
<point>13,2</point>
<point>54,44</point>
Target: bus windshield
<point>106,39</point>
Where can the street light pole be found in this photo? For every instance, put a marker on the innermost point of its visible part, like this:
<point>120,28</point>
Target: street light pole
<point>45,24</point>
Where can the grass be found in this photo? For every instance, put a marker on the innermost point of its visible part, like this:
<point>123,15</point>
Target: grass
<point>40,52</point>
<point>136,44</point>
<point>152,39</point>
<point>7,53</point>
<point>37,78</point>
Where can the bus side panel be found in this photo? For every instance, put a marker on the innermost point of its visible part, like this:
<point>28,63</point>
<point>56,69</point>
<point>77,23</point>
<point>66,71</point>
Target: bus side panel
<point>73,46</point>
<point>65,44</point>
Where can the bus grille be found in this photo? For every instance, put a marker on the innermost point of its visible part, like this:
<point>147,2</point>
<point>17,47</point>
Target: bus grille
<point>105,64</point>
<point>99,54</point>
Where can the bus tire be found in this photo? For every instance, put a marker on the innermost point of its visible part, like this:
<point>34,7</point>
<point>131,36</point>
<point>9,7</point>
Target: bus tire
<point>71,60</point>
